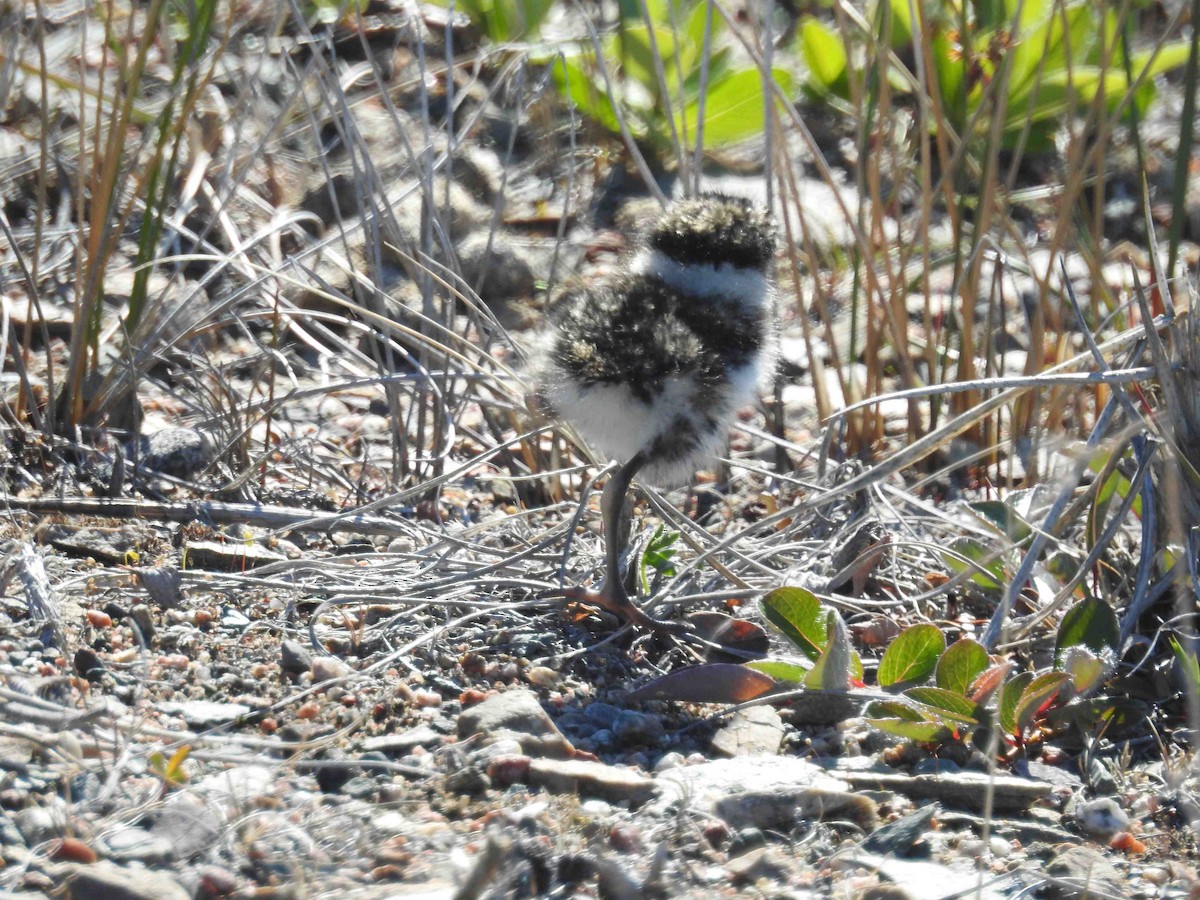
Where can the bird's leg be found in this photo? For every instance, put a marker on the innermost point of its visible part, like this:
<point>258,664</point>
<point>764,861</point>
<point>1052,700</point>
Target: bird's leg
<point>616,514</point>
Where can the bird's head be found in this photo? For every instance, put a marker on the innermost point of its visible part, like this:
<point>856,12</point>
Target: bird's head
<point>714,229</point>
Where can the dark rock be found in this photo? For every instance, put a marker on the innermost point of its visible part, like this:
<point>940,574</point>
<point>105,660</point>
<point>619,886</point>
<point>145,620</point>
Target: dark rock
<point>178,452</point>
<point>294,658</point>
<point>88,665</point>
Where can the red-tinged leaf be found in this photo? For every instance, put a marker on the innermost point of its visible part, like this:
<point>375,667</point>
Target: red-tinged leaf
<point>1037,695</point>
<point>1010,696</point>
<point>912,656</point>
<point>746,637</point>
<point>712,683</point>
<point>989,681</point>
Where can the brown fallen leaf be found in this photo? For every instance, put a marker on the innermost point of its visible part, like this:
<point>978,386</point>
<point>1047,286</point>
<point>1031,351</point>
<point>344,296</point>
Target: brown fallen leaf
<point>711,683</point>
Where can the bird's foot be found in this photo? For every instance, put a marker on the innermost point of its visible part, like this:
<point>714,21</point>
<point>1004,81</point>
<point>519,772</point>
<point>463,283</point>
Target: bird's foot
<point>619,604</point>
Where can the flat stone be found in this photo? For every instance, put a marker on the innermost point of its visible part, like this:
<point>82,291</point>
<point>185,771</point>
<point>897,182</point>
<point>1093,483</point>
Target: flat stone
<point>961,790</point>
<point>517,715</point>
<point>925,880</point>
<point>404,742</point>
<point>591,779</point>
<point>132,844</point>
<point>704,785</point>
<point>238,785</point>
<point>757,731</point>
<point>1084,871</point>
<point>108,881</point>
<point>204,713</point>
<point>188,824</point>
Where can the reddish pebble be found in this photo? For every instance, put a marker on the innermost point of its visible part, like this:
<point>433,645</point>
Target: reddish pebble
<point>1125,842</point>
<point>309,710</point>
<point>174,661</point>
<point>203,617</point>
<point>350,700</point>
<point>625,839</point>
<point>425,699</point>
<point>99,619</point>
<point>216,882</point>
<point>268,726</point>
<point>1053,756</point>
<point>506,770</point>
<point>73,850</point>
<point>471,696</point>
<point>387,873</point>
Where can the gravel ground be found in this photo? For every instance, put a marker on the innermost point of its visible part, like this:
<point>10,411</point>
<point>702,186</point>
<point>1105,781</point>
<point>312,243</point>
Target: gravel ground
<point>293,623</point>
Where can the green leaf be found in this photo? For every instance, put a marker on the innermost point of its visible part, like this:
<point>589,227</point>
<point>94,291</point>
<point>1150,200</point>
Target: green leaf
<point>950,68</point>
<point>1042,46</point>
<point>798,614</point>
<point>1039,692</point>
<point>894,709</point>
<point>1003,518</point>
<point>691,45</point>
<point>641,46</point>
<point>945,704</point>
<point>1087,669</point>
<point>503,21</point>
<point>658,554</point>
<point>902,24</point>
<point>921,732</point>
<point>917,722</point>
<point>719,68</point>
<point>1169,56</point>
<point>1010,696</point>
<point>579,83</point>
<point>912,656</point>
<point>734,107</point>
<point>960,665</point>
<point>1092,623</point>
<point>823,52</point>
<point>1189,668</point>
<point>781,671</point>
<point>987,571</point>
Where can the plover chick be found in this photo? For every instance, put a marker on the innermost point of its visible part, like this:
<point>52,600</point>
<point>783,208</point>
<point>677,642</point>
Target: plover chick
<point>651,364</point>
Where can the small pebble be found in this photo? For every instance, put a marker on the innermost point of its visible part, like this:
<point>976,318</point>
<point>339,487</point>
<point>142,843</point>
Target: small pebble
<point>308,710</point>
<point>541,676</point>
<point>1101,817</point>
<point>327,668</point>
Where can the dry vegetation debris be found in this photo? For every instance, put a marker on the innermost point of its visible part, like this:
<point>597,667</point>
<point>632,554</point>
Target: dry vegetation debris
<point>285,545</point>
